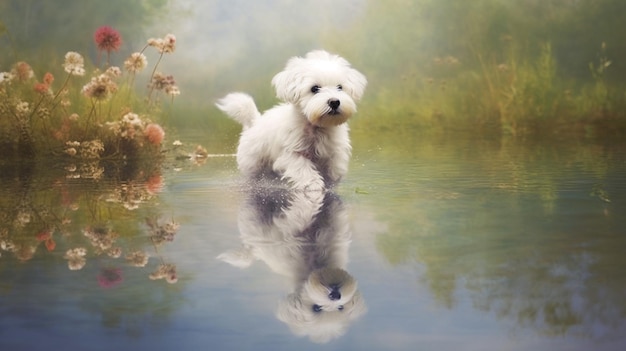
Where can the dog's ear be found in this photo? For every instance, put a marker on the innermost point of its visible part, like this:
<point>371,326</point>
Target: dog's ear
<point>355,83</point>
<point>288,82</point>
<point>356,307</point>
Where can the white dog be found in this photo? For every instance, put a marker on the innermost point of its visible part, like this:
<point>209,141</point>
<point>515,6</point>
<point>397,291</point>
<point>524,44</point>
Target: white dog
<point>305,140</point>
<point>304,236</point>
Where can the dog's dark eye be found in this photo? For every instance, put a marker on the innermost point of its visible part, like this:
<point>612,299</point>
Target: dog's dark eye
<point>317,308</point>
<point>315,89</point>
<point>340,307</point>
<point>339,87</point>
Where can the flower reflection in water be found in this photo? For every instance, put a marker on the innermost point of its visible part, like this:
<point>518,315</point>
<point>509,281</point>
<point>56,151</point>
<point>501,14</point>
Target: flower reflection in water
<point>89,221</point>
<point>137,258</point>
<point>76,258</point>
<point>110,277</point>
<point>165,271</point>
<point>102,239</point>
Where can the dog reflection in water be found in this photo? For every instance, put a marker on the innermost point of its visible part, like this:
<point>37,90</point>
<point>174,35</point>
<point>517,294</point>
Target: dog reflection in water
<point>304,236</point>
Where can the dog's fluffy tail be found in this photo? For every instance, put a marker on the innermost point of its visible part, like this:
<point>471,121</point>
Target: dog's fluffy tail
<point>240,107</point>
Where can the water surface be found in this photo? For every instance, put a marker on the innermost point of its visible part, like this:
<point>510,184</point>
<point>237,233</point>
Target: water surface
<point>457,244</point>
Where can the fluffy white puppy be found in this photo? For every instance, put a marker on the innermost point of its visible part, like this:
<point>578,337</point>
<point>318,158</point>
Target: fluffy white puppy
<point>304,140</point>
<point>304,236</point>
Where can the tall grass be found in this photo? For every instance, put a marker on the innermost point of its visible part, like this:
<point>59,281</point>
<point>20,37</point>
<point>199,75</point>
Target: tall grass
<point>510,92</point>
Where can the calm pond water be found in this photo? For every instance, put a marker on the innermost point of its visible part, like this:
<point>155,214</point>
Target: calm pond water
<point>457,244</point>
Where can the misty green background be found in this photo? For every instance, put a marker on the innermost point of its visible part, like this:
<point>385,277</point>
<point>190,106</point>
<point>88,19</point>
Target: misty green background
<point>525,68</point>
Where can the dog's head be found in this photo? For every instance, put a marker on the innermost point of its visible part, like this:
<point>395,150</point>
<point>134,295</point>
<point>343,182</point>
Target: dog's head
<point>325,306</point>
<point>324,86</point>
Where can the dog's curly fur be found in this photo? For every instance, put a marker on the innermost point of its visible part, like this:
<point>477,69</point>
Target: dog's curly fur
<point>305,139</point>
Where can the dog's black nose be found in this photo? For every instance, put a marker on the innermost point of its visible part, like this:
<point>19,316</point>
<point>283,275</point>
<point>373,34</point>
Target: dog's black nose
<point>334,103</point>
<point>334,295</point>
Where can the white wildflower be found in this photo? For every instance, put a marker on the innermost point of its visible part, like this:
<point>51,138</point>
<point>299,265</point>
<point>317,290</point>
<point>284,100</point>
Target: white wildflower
<point>74,64</point>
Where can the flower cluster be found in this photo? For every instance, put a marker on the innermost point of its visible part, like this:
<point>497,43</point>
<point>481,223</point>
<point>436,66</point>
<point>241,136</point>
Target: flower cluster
<point>46,237</point>
<point>107,39</point>
<point>103,240</point>
<point>165,45</point>
<point>128,127</point>
<point>90,117</point>
<point>6,77</point>
<point>154,133</point>
<point>85,170</point>
<point>74,64</point>
<point>44,88</point>
<point>22,71</point>
<point>91,149</point>
<point>130,195</point>
<point>55,103</point>
<point>55,218</point>
<point>136,62</point>
<point>6,244</point>
<point>76,258</point>
<point>23,217</point>
<point>164,83</point>
<point>22,108</point>
<point>137,258</point>
<point>133,127</point>
<point>165,271</point>
<point>102,86</point>
<point>160,233</point>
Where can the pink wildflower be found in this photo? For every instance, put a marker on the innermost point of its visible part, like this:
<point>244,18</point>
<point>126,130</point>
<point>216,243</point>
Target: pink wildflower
<point>41,88</point>
<point>107,39</point>
<point>50,245</point>
<point>43,236</point>
<point>48,78</point>
<point>23,71</point>
<point>154,133</point>
<point>154,184</point>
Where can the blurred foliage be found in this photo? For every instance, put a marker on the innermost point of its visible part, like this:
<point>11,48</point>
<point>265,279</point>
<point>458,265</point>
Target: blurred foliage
<point>242,44</point>
<point>44,30</point>
<point>518,68</point>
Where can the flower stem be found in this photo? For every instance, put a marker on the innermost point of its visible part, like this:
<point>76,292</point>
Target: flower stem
<point>67,79</point>
<point>152,76</point>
